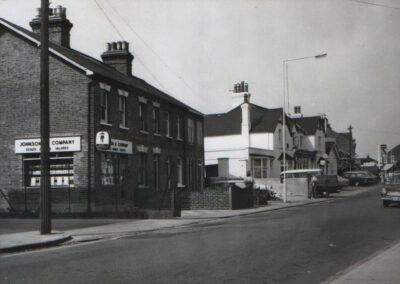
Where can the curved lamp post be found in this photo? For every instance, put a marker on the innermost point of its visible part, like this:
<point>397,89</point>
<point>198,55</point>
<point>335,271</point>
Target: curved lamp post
<point>285,93</point>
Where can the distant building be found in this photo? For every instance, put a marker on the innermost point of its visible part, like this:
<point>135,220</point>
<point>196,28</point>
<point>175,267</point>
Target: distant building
<point>156,141</point>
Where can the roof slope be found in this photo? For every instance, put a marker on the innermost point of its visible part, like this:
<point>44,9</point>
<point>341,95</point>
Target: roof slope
<point>395,150</point>
<point>261,120</point>
<point>308,124</point>
<point>229,123</point>
<point>96,66</point>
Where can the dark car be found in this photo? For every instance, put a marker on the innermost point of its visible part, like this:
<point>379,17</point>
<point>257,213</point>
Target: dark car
<point>391,191</point>
<point>324,185</point>
<point>360,178</point>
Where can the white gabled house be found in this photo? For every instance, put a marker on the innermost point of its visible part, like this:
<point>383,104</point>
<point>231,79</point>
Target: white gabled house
<point>247,140</point>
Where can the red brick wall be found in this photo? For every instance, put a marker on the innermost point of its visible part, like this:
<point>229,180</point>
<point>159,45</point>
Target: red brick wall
<point>19,110</point>
<point>75,110</point>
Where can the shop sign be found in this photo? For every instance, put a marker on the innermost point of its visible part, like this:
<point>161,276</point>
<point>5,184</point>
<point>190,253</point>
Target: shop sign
<point>102,140</point>
<point>57,144</point>
<point>120,146</point>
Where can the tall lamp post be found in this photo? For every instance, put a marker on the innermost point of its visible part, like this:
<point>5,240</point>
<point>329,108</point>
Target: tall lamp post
<point>286,93</point>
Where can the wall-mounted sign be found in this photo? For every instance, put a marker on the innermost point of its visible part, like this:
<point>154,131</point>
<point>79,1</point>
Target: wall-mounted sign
<point>120,146</point>
<point>57,144</point>
<point>102,140</point>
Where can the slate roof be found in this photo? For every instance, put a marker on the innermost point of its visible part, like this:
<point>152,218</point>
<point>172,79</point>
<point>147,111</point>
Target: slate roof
<point>395,150</point>
<point>261,120</point>
<point>98,67</point>
<point>308,124</point>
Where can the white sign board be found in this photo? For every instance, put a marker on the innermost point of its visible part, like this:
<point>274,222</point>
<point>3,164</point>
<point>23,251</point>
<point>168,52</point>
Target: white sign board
<point>57,144</point>
<point>120,146</point>
<point>102,139</point>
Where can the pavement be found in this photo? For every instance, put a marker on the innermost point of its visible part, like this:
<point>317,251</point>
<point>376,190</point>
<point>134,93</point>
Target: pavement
<point>14,242</point>
<point>379,268</point>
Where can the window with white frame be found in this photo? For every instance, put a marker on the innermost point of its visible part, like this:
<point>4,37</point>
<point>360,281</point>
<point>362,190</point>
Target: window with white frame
<point>319,142</point>
<point>167,124</point>
<point>259,167</point>
<point>179,127</point>
<point>199,133</point>
<point>280,136</point>
<point>122,111</point>
<point>190,134</point>
<point>156,171</point>
<point>168,171</point>
<point>142,169</point>
<point>143,116</point>
<point>104,103</point>
<point>179,166</point>
<point>301,141</point>
<point>156,120</point>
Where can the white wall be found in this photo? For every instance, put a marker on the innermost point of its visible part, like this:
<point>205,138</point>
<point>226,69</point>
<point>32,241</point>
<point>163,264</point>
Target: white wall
<point>228,142</point>
<point>262,141</point>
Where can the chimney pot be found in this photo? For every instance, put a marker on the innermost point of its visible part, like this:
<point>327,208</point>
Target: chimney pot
<point>246,87</point>
<point>59,29</point>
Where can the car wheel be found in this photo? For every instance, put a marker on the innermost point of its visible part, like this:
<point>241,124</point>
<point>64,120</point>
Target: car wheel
<point>386,203</point>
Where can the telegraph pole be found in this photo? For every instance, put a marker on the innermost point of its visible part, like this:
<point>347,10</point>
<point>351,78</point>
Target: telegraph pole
<point>45,188</point>
<point>350,145</point>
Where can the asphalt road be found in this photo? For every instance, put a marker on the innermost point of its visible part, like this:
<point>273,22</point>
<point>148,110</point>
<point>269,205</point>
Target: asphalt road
<point>305,244</point>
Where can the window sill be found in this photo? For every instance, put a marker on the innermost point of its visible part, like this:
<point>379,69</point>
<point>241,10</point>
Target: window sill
<point>143,186</point>
<point>105,123</point>
<point>123,127</point>
<point>169,137</point>
<point>157,134</point>
<point>181,186</point>
<point>179,139</point>
<point>143,132</point>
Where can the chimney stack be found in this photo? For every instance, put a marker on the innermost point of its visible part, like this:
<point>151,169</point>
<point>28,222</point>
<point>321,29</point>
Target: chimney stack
<point>240,94</point>
<point>59,25</point>
<point>118,56</point>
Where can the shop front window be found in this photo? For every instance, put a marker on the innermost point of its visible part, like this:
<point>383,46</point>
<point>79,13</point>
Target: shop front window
<point>61,170</point>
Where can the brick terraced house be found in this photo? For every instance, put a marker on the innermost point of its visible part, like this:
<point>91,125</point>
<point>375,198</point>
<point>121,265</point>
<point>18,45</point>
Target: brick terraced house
<point>156,141</point>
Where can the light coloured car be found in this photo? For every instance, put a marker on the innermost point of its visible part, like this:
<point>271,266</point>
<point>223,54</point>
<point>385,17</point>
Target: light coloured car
<point>343,182</point>
<point>391,191</point>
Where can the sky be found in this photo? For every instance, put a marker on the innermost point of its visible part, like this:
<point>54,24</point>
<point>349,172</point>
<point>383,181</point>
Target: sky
<point>196,50</point>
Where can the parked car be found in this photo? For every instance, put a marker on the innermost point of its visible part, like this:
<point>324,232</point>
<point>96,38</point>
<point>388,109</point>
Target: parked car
<point>325,185</point>
<point>319,184</point>
<point>391,191</point>
<point>343,181</point>
<point>360,178</point>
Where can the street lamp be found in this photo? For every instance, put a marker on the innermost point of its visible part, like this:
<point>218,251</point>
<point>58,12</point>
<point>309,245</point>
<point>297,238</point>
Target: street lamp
<point>286,92</point>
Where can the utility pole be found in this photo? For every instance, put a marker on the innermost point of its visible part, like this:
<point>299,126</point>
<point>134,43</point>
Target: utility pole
<point>350,145</point>
<point>45,187</point>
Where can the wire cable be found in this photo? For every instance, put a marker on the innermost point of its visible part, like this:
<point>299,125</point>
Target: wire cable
<point>375,4</point>
<point>122,37</point>
<point>178,76</point>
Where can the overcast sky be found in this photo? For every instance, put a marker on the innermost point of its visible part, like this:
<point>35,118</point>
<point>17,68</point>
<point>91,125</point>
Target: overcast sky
<point>197,50</point>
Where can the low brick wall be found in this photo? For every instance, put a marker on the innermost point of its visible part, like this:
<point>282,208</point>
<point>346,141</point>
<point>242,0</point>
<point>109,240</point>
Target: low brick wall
<point>212,197</point>
<point>219,196</point>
